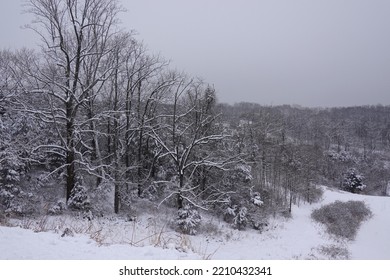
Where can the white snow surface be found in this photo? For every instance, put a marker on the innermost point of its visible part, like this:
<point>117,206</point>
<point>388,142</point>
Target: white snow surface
<point>146,238</point>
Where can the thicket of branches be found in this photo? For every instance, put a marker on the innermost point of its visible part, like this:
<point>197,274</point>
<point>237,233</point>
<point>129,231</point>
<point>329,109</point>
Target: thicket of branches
<point>94,118</point>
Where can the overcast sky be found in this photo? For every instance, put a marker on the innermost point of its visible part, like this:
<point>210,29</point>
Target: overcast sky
<point>306,52</point>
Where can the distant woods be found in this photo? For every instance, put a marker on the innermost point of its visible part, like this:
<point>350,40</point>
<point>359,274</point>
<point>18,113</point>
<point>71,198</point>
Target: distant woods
<point>94,118</point>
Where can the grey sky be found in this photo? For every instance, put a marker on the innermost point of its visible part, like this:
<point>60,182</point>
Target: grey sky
<point>306,52</point>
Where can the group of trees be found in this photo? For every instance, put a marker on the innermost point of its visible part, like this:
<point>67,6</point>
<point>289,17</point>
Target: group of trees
<point>99,110</point>
<point>328,145</point>
<point>93,109</point>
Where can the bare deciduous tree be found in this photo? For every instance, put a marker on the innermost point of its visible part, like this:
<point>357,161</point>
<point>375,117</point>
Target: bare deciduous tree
<point>187,134</point>
<point>76,38</point>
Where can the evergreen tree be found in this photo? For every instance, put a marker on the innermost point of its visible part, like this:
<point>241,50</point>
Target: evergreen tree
<point>353,182</point>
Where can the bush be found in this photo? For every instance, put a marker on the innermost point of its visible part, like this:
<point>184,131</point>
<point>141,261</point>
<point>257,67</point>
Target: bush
<point>3,218</point>
<point>342,219</point>
<point>79,199</point>
<point>15,201</point>
<point>353,182</point>
<point>237,216</point>
<point>57,209</point>
<point>188,220</point>
<point>334,252</point>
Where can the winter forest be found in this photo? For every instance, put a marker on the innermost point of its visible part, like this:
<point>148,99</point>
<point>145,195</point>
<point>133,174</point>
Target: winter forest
<point>93,125</point>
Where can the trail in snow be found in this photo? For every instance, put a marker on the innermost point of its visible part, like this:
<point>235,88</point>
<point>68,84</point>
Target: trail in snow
<point>373,239</point>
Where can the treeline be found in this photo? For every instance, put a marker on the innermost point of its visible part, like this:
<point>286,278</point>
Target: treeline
<point>331,142</point>
<point>95,119</point>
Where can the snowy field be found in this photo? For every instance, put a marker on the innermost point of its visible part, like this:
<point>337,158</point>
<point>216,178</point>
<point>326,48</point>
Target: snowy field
<point>149,237</point>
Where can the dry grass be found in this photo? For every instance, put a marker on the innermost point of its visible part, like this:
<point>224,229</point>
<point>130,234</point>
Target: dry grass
<point>334,252</point>
<point>146,230</point>
<point>342,219</point>
<point>4,221</point>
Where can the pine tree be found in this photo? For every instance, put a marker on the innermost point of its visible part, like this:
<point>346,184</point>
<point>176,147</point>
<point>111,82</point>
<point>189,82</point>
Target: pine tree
<point>353,182</point>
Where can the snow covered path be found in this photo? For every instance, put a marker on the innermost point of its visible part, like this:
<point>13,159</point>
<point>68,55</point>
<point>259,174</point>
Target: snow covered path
<point>285,239</point>
<point>302,238</point>
<point>293,239</point>
<point>373,239</point>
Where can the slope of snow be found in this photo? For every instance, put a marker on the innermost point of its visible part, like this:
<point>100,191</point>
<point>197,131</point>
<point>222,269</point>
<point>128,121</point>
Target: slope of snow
<point>21,244</point>
<point>373,240</point>
<point>285,239</point>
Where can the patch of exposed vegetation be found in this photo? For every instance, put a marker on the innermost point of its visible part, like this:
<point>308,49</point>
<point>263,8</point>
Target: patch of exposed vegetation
<point>342,219</point>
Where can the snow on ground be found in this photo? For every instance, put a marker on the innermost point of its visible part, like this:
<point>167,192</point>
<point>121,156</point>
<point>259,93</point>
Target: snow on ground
<point>21,244</point>
<point>373,240</point>
<point>285,239</point>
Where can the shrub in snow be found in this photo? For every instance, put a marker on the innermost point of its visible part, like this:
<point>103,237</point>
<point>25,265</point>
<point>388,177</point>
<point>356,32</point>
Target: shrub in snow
<point>353,182</point>
<point>12,169</point>
<point>342,219</point>
<point>334,252</point>
<point>230,213</point>
<point>5,197</point>
<point>237,216</point>
<point>57,209</point>
<point>79,199</point>
<point>241,220</point>
<point>2,218</point>
<point>88,215</point>
<point>13,200</point>
<point>188,220</point>
<point>259,225</point>
<point>67,232</point>
<point>244,208</point>
<point>256,198</point>
<point>102,196</point>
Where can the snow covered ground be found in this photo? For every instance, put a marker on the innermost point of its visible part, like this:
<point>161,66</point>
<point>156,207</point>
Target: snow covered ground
<point>285,239</point>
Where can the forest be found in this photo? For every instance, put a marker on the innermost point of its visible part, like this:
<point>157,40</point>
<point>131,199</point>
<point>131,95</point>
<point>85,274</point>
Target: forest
<point>91,122</point>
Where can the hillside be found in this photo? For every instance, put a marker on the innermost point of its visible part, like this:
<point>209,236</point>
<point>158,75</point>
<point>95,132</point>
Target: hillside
<point>150,238</point>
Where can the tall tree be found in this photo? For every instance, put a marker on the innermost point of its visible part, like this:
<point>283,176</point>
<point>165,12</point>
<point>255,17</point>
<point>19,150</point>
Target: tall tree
<point>187,133</point>
<point>75,36</point>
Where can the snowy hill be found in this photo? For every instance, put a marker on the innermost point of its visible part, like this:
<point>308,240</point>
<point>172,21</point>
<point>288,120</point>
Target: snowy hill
<point>284,239</point>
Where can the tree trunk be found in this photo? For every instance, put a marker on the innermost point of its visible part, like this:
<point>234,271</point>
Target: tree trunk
<point>179,195</point>
<point>70,170</point>
<point>128,154</point>
<point>70,154</point>
<point>139,163</point>
<point>116,198</point>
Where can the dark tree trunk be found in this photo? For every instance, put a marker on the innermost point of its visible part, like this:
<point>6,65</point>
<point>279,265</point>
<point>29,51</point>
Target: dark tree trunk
<point>139,163</point>
<point>179,201</point>
<point>116,198</point>
<point>179,195</point>
<point>70,153</point>
<point>70,169</point>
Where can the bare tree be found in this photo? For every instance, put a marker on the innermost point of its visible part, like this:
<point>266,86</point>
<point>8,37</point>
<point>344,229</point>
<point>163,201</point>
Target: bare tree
<point>135,90</point>
<point>76,38</point>
<point>146,86</point>
<point>185,132</point>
